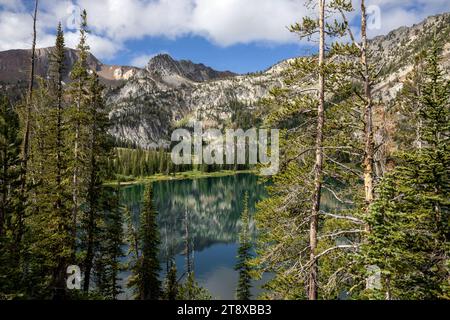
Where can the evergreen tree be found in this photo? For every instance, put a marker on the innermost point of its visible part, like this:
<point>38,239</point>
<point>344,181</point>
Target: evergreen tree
<point>299,234</point>
<point>171,287</point>
<point>191,290</point>
<point>58,174</point>
<point>146,267</point>
<point>244,255</point>
<point>409,221</point>
<point>98,152</point>
<point>49,233</point>
<point>77,115</point>
<point>107,261</point>
<point>9,185</point>
<point>9,159</point>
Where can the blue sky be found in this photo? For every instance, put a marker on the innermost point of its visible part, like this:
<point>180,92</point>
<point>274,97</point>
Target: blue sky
<point>236,35</point>
<point>240,58</point>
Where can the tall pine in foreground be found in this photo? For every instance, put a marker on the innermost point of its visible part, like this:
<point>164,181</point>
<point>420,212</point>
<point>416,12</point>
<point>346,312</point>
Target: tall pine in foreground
<point>409,221</point>
<point>48,238</point>
<point>244,255</point>
<point>97,151</point>
<point>107,265</point>
<point>10,274</point>
<point>77,116</point>
<point>303,238</point>
<point>145,267</point>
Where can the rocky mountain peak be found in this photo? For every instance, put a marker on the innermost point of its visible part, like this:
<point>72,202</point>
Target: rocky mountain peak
<point>14,66</point>
<point>164,65</point>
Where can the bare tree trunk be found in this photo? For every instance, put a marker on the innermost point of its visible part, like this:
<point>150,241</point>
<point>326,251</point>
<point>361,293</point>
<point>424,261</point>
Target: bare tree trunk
<point>75,178</point>
<point>187,245</point>
<point>318,168</point>
<point>91,201</point>
<point>26,137</point>
<point>369,148</point>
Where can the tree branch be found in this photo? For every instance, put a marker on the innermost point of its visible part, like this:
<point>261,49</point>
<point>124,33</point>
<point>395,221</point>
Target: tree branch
<point>337,216</point>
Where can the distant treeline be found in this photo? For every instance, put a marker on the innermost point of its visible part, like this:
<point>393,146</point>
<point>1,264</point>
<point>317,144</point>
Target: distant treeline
<point>131,163</point>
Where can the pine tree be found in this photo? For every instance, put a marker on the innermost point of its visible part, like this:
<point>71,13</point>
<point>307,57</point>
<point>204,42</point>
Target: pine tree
<point>49,225</point>
<point>409,239</point>
<point>171,286</point>
<point>244,255</point>
<point>25,148</point>
<point>10,274</point>
<point>107,261</point>
<point>57,151</point>
<point>191,290</point>
<point>98,151</point>
<point>9,159</point>
<point>146,267</point>
<point>299,234</point>
<point>78,117</point>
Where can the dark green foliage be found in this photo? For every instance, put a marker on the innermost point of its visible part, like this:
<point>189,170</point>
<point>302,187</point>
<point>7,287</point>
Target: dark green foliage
<point>243,265</point>
<point>171,286</point>
<point>145,279</point>
<point>107,265</point>
<point>49,239</point>
<point>191,290</point>
<point>9,184</point>
<point>409,239</point>
<point>98,151</point>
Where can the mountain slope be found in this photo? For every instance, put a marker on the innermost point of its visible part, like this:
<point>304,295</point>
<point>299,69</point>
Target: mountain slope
<point>146,104</point>
<point>14,65</point>
<point>164,65</point>
<point>147,107</point>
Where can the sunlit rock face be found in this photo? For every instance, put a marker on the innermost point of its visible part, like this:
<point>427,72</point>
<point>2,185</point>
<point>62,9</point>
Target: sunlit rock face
<point>168,93</point>
<point>145,104</point>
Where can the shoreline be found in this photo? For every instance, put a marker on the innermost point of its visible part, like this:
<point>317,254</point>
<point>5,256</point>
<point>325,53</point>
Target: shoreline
<point>188,175</point>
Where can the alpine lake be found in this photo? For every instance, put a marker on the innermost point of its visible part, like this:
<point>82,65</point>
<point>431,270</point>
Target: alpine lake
<point>206,213</point>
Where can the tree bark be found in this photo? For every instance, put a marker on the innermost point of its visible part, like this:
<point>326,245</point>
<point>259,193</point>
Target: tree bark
<point>318,168</point>
<point>369,148</point>
<point>26,136</point>
<point>75,183</point>
<point>92,194</point>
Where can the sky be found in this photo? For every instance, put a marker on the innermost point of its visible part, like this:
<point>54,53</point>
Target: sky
<point>237,35</point>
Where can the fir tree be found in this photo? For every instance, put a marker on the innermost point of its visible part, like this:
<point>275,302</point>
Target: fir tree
<point>9,159</point>
<point>77,117</point>
<point>244,255</point>
<point>191,290</point>
<point>48,221</point>
<point>10,274</point>
<point>298,233</point>
<point>409,239</point>
<point>98,151</point>
<point>146,267</point>
<point>107,261</point>
<point>171,286</point>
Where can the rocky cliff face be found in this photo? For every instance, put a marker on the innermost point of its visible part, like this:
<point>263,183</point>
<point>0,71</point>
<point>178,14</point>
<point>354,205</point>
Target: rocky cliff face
<point>165,65</point>
<point>167,93</point>
<point>146,104</point>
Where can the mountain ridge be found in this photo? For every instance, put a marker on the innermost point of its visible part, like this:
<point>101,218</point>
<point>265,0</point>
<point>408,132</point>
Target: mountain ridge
<point>146,103</point>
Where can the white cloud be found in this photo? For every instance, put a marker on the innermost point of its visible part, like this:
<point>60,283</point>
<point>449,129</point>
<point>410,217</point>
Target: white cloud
<point>12,4</point>
<point>398,13</point>
<point>224,22</point>
<point>141,60</point>
<point>101,47</point>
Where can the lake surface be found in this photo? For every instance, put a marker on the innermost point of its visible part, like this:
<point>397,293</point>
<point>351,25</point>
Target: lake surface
<point>212,207</point>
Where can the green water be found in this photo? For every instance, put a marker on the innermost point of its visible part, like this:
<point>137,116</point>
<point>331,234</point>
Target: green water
<point>214,206</point>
